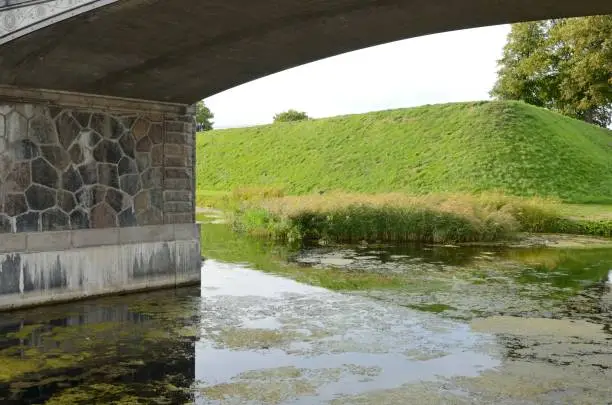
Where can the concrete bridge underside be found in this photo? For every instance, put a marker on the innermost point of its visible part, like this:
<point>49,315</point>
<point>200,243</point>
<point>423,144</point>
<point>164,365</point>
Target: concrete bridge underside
<point>183,50</point>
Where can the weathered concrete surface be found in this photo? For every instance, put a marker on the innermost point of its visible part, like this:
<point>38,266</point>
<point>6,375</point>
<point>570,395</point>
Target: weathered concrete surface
<point>59,266</point>
<point>183,50</point>
<point>19,17</point>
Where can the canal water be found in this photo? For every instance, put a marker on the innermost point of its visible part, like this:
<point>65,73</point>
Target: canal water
<point>366,324</point>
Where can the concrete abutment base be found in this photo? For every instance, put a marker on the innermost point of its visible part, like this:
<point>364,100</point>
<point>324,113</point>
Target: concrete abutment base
<point>46,267</point>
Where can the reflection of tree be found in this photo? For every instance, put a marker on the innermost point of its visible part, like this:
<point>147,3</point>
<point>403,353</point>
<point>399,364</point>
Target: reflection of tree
<point>569,268</point>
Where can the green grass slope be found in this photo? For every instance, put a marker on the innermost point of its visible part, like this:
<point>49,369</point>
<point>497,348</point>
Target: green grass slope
<point>461,147</point>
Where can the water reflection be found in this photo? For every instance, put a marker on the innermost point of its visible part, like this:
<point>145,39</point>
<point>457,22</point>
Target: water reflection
<point>427,325</point>
<point>266,338</point>
<point>111,350</point>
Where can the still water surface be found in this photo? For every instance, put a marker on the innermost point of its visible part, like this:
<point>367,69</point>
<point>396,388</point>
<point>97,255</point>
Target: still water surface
<point>455,326</point>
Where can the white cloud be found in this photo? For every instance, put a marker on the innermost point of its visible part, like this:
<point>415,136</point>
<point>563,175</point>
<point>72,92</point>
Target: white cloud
<point>453,66</point>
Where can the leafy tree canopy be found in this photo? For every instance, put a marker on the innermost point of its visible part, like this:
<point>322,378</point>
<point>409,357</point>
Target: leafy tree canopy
<point>564,65</point>
<point>204,117</point>
<point>291,115</point>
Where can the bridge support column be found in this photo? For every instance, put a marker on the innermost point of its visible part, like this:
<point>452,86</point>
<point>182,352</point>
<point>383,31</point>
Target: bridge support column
<point>96,196</point>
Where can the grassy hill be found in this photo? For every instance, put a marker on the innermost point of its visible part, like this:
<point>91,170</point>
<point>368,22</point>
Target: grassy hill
<point>461,147</point>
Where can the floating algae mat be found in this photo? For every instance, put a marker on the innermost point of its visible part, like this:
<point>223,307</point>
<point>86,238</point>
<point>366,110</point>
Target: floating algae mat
<point>455,326</point>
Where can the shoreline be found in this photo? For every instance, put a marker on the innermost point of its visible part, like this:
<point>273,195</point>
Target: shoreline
<point>523,239</point>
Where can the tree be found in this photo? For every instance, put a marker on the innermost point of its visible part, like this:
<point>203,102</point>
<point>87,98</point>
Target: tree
<point>204,117</point>
<point>291,115</point>
<point>564,65</point>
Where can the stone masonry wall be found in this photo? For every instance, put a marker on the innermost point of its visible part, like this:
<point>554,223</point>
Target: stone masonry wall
<point>78,169</point>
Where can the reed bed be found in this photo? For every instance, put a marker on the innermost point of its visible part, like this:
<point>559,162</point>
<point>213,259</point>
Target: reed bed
<point>397,217</point>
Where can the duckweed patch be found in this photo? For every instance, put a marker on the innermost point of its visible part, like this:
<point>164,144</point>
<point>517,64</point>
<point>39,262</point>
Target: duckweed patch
<point>245,339</point>
<point>268,393</point>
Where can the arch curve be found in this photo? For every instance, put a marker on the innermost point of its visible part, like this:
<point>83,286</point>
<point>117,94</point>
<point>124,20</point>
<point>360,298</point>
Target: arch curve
<point>184,50</point>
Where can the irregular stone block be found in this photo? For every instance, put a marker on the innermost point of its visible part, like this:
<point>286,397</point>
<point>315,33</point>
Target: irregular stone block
<point>27,222</point>
<point>108,151</point>
<point>156,133</point>
<point>15,127</point>
<point>25,149</point>
<point>127,144</point>
<point>58,157</point>
<point>15,204</point>
<point>5,224</point>
<point>130,183</point>
<point>107,175</point>
<point>18,179</point>
<point>89,139</point>
<point>106,126</point>
<point>127,166</point>
<point>66,200</point>
<point>82,118</point>
<point>144,145</point>
<point>42,130</point>
<point>140,129</point>
<point>143,160</point>
<point>89,173</point>
<point>54,219</point>
<point>76,154</point>
<point>40,198</point>
<point>44,173</point>
<point>127,218</point>
<point>87,197</point>
<point>79,220</point>
<point>68,129</point>
<point>71,180</point>
<point>142,201</point>
<point>103,216</point>
<point>114,198</point>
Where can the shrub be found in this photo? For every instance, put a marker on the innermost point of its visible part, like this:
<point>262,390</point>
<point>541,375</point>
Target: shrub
<point>291,115</point>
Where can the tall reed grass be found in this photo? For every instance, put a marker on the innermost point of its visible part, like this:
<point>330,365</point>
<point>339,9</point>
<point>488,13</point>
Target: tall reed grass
<point>437,218</point>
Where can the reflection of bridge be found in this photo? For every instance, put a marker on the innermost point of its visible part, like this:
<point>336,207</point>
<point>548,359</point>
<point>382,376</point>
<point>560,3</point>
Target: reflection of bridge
<point>96,136</point>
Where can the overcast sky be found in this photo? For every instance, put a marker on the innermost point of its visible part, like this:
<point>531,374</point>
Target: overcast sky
<point>453,66</point>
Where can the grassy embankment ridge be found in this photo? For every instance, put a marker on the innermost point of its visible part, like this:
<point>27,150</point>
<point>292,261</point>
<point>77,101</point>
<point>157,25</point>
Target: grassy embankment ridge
<point>455,172</point>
